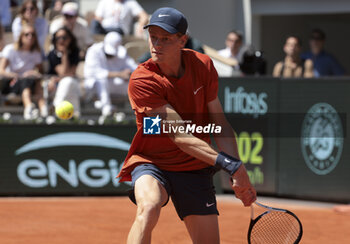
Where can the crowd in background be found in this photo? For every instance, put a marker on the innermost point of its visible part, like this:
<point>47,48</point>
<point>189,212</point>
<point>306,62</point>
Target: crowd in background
<point>38,69</point>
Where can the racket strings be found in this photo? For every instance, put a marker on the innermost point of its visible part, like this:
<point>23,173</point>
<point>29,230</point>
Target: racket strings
<point>275,228</point>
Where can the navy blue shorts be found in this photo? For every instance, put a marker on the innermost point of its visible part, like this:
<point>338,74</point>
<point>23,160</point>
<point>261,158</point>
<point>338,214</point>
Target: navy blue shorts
<point>192,192</point>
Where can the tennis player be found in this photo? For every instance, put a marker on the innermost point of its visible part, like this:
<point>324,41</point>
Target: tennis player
<point>176,85</point>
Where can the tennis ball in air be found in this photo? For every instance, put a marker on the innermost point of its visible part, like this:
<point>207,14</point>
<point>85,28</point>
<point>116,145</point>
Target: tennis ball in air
<point>64,110</point>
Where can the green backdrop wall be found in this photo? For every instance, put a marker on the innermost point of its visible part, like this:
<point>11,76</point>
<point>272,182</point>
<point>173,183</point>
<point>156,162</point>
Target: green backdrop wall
<point>292,137</point>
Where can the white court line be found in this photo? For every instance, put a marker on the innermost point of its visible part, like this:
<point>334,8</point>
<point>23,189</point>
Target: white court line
<point>271,201</point>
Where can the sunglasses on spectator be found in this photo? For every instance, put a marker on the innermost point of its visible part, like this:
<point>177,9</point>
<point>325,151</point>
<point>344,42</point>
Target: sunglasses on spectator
<point>32,34</point>
<point>31,9</point>
<point>64,38</point>
<point>67,16</point>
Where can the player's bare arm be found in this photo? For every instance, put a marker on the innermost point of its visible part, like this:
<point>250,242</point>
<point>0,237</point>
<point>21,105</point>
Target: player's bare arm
<point>203,151</point>
<point>226,141</point>
<point>186,142</point>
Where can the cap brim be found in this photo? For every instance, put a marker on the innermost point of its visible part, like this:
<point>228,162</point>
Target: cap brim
<point>71,13</point>
<point>110,50</point>
<point>164,26</point>
<point>120,50</point>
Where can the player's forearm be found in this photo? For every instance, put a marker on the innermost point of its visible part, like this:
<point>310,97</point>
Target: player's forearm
<point>204,152</point>
<point>196,148</point>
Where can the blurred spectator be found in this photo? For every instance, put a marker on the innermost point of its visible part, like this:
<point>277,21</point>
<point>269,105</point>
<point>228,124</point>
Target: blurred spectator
<point>119,15</point>
<point>192,43</point>
<point>28,14</point>
<point>234,44</point>
<point>107,70</point>
<point>5,13</point>
<point>55,10</point>
<point>293,65</point>
<point>77,25</point>
<point>63,61</point>
<point>20,67</point>
<point>324,63</point>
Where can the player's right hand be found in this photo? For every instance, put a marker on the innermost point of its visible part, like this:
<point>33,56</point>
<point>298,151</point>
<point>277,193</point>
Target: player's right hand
<point>242,187</point>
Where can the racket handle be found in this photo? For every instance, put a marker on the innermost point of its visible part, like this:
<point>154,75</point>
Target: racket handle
<point>251,212</point>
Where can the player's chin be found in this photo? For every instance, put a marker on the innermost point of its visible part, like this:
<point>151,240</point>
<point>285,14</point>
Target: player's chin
<point>157,59</point>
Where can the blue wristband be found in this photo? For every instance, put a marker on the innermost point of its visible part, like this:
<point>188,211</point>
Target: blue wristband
<point>227,163</point>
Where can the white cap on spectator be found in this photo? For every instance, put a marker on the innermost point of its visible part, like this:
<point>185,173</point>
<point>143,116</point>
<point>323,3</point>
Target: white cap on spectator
<point>70,8</point>
<point>112,44</point>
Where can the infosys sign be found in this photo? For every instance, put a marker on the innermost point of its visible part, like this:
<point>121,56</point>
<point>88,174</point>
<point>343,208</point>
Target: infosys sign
<point>70,162</point>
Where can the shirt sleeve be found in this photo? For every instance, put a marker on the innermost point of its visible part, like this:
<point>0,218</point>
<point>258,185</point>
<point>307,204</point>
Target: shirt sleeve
<point>16,28</point>
<point>135,7</point>
<point>212,86</point>
<point>99,10</point>
<point>6,52</point>
<point>55,25</point>
<point>93,67</point>
<point>130,63</point>
<point>88,40</point>
<point>145,95</point>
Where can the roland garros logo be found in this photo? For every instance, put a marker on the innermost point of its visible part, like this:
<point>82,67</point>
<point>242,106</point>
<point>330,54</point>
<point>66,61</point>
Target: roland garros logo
<point>322,138</point>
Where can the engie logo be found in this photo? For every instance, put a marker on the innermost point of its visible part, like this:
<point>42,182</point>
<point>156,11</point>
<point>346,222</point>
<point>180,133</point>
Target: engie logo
<point>91,172</point>
<point>151,125</point>
<point>322,138</point>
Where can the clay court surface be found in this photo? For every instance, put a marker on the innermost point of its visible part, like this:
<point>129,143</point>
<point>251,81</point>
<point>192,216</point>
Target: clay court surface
<point>70,220</point>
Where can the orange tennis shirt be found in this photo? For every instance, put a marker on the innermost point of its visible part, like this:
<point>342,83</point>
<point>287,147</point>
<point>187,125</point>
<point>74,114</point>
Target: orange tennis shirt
<point>188,95</point>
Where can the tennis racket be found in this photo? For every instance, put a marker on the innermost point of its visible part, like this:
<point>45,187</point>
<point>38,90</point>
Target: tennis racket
<point>274,226</point>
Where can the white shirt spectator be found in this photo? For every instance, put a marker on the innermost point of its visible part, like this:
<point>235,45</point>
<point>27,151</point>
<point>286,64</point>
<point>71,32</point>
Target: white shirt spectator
<point>97,66</point>
<point>81,31</point>
<point>41,28</point>
<point>20,61</point>
<point>228,54</point>
<point>118,14</point>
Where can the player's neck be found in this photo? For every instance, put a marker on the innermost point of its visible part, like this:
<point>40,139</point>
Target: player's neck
<point>175,69</point>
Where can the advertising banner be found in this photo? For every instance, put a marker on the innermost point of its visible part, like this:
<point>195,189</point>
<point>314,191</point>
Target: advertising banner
<point>250,106</point>
<point>62,160</point>
<point>314,147</point>
<point>291,134</point>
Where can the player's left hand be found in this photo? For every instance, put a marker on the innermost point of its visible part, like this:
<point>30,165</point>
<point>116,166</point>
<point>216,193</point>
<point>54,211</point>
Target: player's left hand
<point>242,187</point>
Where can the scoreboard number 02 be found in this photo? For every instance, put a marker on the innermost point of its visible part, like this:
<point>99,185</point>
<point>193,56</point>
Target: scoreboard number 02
<point>250,146</point>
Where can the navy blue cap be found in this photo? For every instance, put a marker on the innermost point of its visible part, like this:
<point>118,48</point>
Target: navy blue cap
<point>169,19</point>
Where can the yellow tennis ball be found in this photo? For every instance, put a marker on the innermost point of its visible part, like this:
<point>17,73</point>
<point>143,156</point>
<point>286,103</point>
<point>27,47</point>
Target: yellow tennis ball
<point>64,110</point>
